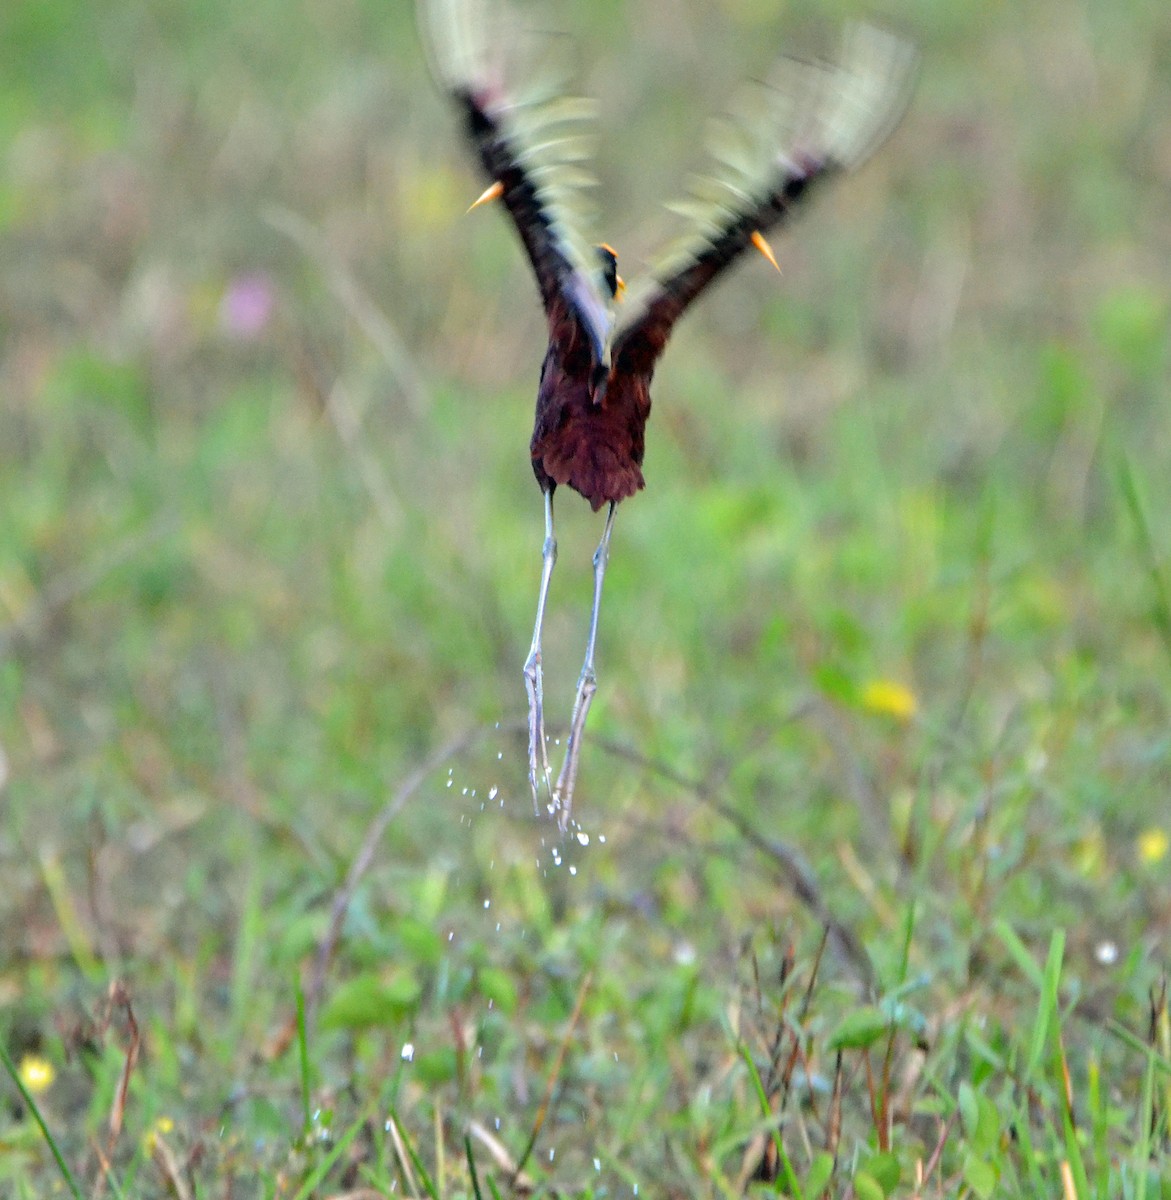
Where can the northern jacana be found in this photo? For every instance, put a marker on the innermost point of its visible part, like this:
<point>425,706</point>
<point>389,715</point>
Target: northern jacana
<point>593,399</point>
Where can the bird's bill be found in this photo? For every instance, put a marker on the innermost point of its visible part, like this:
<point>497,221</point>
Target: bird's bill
<point>619,282</point>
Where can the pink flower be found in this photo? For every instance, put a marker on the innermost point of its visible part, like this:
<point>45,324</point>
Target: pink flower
<point>247,305</point>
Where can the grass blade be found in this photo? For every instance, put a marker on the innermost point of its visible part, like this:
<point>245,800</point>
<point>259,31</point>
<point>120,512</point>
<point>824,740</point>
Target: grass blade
<point>1019,953</point>
<point>249,936</point>
<point>1047,1009</point>
<point>309,1187</point>
<point>908,935</point>
<point>1161,598</point>
<point>1046,982</point>
<point>1073,1149</point>
<point>1142,1141</point>
<point>413,1155</point>
<point>303,1054</point>
<point>27,1097</point>
<point>794,1188</point>
<point>472,1167</point>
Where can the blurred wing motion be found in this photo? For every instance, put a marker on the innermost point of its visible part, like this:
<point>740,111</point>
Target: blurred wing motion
<point>530,149</point>
<point>821,119</point>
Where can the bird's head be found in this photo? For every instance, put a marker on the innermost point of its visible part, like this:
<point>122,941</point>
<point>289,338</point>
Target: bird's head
<point>609,261</point>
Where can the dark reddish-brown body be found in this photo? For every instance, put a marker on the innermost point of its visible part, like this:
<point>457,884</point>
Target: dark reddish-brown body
<point>591,440</point>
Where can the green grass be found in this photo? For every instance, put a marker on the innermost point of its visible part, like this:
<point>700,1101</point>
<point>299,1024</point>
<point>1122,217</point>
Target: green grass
<point>264,601</point>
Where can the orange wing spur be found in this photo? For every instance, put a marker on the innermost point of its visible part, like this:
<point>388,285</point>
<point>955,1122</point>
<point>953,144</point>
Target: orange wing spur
<point>530,150</point>
<point>830,117</point>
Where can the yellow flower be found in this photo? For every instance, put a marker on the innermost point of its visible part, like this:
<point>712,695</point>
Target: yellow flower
<point>890,699</point>
<point>150,1139</point>
<point>1153,844</point>
<point>36,1073</point>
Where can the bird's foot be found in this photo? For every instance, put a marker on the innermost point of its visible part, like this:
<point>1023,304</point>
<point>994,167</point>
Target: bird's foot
<point>540,773</point>
<point>562,806</point>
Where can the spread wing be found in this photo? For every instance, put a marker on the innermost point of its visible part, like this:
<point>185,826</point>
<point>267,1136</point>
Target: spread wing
<point>823,119</point>
<point>530,149</point>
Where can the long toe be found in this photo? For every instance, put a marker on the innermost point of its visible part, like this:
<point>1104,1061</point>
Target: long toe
<point>539,770</point>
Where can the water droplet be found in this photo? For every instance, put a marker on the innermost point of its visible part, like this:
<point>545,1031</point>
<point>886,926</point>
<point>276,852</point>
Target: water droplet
<point>583,838</point>
<point>597,1164</point>
<point>487,903</point>
<point>1106,952</point>
<point>573,870</point>
<point>408,1054</point>
<point>602,838</point>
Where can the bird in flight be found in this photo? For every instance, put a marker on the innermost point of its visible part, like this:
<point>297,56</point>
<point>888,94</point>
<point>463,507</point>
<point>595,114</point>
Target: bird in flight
<point>593,399</point>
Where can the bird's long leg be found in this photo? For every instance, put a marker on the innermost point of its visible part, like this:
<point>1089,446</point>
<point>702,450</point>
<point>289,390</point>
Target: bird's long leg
<point>587,684</point>
<point>539,771</point>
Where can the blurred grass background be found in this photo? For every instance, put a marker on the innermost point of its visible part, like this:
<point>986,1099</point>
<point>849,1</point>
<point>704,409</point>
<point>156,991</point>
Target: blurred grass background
<point>270,538</point>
